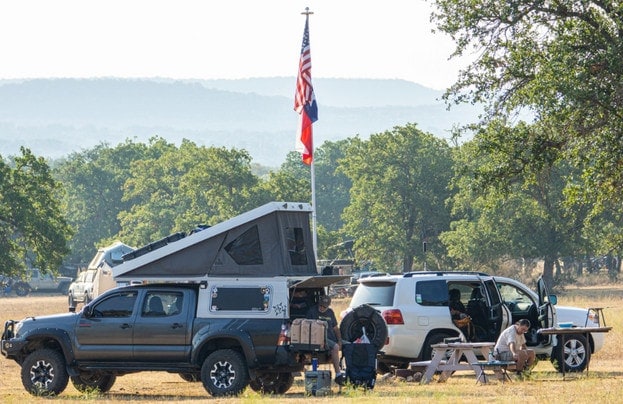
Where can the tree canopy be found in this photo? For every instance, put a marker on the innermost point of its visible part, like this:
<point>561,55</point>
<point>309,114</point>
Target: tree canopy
<point>400,180</point>
<point>33,229</point>
<point>562,63</point>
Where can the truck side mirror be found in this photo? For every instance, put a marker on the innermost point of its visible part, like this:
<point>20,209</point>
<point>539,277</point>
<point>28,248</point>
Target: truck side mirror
<point>552,299</point>
<point>87,311</point>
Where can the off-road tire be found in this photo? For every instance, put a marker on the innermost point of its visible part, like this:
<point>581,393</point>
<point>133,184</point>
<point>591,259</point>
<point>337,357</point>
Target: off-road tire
<point>272,382</point>
<point>367,317</point>
<point>573,356</point>
<point>224,373</point>
<point>88,381</point>
<point>191,377</point>
<point>44,373</point>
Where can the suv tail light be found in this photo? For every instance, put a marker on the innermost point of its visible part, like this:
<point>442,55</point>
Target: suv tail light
<point>393,317</point>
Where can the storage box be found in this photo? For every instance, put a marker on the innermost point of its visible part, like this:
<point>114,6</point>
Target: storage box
<point>308,335</point>
<point>318,383</point>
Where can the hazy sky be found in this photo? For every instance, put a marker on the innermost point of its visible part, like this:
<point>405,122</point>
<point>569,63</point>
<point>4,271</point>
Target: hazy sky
<point>213,39</point>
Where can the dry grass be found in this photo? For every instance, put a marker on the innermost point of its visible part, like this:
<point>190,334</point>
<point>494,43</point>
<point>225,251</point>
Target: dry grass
<point>602,384</point>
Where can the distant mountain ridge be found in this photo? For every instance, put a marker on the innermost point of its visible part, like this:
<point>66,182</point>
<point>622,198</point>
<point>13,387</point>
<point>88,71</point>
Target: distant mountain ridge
<point>54,117</point>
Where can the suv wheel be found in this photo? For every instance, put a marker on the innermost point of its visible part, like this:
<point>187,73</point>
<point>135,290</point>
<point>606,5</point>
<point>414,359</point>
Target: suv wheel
<point>44,373</point>
<point>88,381</point>
<point>573,355</point>
<point>438,338</point>
<point>224,373</point>
<point>364,316</point>
<point>272,383</point>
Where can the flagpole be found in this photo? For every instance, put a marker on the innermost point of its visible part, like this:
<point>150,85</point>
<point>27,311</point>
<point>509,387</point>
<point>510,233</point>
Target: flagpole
<point>312,170</point>
<point>305,104</point>
<point>313,195</point>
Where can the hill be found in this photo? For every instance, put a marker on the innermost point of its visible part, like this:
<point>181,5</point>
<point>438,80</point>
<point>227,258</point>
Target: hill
<point>54,117</point>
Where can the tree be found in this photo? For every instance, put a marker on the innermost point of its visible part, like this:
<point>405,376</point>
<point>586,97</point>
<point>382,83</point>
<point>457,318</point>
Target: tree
<point>501,216</point>
<point>400,180</point>
<point>183,187</point>
<point>560,61</point>
<point>33,229</point>
<point>93,180</point>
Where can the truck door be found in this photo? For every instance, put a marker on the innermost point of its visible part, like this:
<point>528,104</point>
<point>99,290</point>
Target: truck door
<point>104,330</point>
<point>162,331</point>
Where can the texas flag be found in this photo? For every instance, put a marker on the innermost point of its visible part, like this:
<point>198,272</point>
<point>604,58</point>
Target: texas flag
<point>305,101</point>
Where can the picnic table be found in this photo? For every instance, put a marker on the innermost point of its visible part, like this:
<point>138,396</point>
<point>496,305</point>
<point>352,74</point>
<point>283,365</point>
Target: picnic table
<point>446,358</point>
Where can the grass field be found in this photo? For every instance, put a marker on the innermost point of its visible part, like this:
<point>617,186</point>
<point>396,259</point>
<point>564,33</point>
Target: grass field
<point>602,384</point>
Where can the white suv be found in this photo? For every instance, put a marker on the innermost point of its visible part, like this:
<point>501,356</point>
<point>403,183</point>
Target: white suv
<point>415,307</point>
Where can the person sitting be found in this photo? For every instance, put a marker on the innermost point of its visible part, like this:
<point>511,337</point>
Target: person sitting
<point>462,320</point>
<point>455,298</point>
<point>321,311</point>
<point>511,346</point>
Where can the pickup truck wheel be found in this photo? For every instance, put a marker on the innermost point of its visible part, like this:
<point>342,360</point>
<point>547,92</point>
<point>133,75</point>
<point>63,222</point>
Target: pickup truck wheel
<point>44,373</point>
<point>191,377</point>
<point>272,383</point>
<point>224,373</point>
<point>21,289</point>
<point>573,355</point>
<point>89,381</point>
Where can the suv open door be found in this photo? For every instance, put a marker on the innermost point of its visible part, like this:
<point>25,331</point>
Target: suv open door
<point>547,312</point>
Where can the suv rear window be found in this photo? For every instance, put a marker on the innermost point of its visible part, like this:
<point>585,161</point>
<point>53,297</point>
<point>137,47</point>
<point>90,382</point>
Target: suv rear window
<point>374,294</point>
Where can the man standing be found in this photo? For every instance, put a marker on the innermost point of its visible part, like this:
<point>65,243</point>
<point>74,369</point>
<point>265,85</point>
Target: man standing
<point>511,346</point>
<point>321,311</point>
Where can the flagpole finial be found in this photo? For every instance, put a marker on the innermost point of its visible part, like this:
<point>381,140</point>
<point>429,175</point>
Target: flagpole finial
<point>307,12</point>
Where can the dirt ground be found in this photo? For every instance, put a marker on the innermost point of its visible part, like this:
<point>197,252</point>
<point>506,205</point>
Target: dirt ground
<point>602,383</point>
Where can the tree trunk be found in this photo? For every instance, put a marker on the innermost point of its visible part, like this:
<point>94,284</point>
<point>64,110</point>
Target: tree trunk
<point>548,271</point>
<point>407,265</point>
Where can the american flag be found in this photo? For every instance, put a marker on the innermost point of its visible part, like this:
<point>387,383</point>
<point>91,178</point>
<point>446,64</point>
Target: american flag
<point>305,101</point>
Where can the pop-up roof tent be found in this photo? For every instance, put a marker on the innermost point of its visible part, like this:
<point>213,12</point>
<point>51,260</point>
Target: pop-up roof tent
<point>271,240</point>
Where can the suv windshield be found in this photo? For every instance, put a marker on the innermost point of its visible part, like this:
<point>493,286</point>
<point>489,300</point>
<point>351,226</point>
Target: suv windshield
<point>374,294</point>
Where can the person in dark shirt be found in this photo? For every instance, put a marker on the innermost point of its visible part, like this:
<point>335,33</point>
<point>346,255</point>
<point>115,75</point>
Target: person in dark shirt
<point>321,311</point>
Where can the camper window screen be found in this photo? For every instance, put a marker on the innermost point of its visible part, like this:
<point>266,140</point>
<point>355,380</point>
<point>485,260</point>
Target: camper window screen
<point>296,246</point>
<point>245,249</point>
<point>235,298</point>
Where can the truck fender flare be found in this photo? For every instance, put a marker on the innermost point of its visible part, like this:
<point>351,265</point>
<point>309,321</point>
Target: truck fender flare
<point>54,338</point>
<point>205,343</point>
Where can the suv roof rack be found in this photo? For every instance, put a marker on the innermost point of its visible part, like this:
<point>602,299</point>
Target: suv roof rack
<point>441,273</point>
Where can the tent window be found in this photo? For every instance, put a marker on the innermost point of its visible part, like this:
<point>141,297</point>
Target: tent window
<point>296,245</point>
<point>246,249</point>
